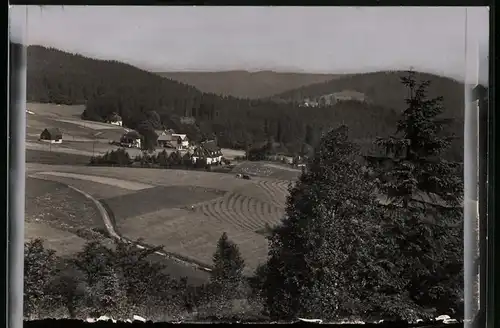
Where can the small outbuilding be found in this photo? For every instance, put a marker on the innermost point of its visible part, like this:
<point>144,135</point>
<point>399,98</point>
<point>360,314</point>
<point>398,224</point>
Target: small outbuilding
<point>115,119</point>
<point>51,135</point>
<point>165,140</point>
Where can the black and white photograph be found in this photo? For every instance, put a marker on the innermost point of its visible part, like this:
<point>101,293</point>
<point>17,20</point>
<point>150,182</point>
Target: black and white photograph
<point>252,164</point>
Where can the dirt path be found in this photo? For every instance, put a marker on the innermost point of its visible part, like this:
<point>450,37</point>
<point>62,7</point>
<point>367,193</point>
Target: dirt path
<point>102,211</point>
<point>112,232</point>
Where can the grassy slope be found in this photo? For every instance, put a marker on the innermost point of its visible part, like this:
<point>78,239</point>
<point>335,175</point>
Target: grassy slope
<point>247,84</point>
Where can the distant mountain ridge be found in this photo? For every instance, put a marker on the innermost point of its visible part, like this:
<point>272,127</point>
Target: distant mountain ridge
<point>382,88</point>
<point>245,84</point>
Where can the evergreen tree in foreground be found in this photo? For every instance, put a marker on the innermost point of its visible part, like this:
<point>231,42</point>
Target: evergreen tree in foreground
<point>426,233</point>
<point>323,260</point>
<point>227,275</point>
<point>420,141</point>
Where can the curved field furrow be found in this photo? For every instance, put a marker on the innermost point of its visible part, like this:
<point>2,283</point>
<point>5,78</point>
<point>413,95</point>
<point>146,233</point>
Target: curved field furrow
<point>223,212</point>
<point>250,210</point>
<point>275,193</point>
<point>258,217</point>
<point>241,209</point>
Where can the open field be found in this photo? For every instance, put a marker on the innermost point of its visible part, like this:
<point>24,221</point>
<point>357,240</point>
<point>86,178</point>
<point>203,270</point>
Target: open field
<point>49,157</point>
<point>51,214</point>
<point>59,215</point>
<point>55,111</point>
<point>63,242</point>
<point>192,235</point>
<point>56,204</point>
<point>268,170</point>
<point>157,198</point>
<point>80,137</point>
<point>185,211</point>
<point>96,189</point>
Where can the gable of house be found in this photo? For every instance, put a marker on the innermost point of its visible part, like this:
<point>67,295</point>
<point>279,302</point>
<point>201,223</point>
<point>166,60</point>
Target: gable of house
<point>51,134</point>
<point>182,136</point>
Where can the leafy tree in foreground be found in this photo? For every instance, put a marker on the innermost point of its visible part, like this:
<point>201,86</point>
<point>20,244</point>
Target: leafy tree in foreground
<point>227,275</point>
<point>427,234</point>
<point>323,258</point>
<point>38,269</point>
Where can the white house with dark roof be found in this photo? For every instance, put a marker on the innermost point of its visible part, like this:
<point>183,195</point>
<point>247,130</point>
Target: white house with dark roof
<point>208,152</point>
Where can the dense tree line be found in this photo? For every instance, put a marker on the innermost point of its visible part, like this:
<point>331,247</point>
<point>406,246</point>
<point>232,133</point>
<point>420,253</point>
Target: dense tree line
<point>121,280</point>
<point>109,86</point>
<point>173,160</point>
<point>340,252</point>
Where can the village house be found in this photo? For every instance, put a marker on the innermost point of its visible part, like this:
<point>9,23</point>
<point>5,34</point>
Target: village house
<point>165,140</point>
<point>208,152</point>
<point>115,119</point>
<point>182,141</point>
<point>131,139</point>
<point>51,135</point>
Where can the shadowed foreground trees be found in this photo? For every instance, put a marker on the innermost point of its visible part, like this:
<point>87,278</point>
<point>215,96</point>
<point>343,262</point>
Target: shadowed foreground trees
<point>340,253</point>
<point>323,259</point>
<point>428,235</point>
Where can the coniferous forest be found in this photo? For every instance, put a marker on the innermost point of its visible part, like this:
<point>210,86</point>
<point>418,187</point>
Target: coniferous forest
<point>105,87</point>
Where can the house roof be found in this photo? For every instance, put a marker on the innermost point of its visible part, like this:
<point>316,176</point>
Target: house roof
<point>114,117</point>
<point>132,135</point>
<point>53,132</point>
<point>207,149</point>
<point>165,137</point>
<point>182,136</point>
<point>210,145</point>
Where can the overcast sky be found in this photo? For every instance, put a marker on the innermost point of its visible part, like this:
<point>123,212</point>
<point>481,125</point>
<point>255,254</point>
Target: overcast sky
<point>308,39</point>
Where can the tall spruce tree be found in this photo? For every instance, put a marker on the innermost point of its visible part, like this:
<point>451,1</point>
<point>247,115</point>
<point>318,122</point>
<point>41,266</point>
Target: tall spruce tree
<point>323,257</point>
<point>226,276</point>
<point>416,151</point>
<point>228,264</point>
<point>424,213</point>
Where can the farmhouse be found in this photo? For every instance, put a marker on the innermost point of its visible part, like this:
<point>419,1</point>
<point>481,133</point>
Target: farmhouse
<point>52,135</point>
<point>208,152</point>
<point>115,119</point>
<point>131,139</point>
<point>182,141</point>
<point>166,140</point>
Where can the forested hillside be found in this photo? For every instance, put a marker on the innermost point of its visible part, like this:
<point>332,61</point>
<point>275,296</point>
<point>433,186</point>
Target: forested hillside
<point>244,84</point>
<point>384,88</point>
<point>108,86</point>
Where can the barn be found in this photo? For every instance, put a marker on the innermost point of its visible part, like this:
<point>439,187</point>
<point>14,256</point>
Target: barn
<point>52,135</point>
